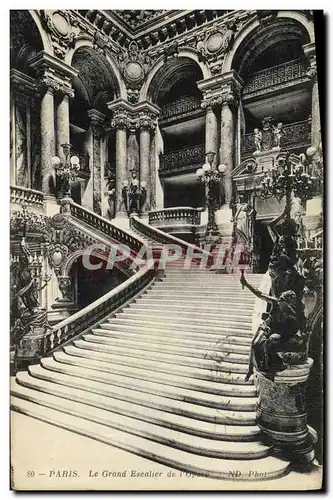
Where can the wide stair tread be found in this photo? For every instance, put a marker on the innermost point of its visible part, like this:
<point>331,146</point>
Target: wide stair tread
<point>107,372</point>
<point>100,337</point>
<point>227,335</point>
<point>167,455</point>
<point>177,439</point>
<point>226,343</point>
<point>109,362</point>
<point>205,363</point>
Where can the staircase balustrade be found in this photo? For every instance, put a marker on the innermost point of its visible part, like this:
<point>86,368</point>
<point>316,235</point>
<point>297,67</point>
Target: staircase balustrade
<point>174,215</point>
<point>98,310</point>
<point>167,239</point>
<point>103,225</point>
<point>19,195</point>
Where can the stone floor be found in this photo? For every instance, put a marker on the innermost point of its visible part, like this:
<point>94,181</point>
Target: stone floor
<point>42,452</point>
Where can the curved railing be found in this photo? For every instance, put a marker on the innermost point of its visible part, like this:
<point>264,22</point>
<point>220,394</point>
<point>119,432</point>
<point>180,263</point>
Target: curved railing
<point>162,237</point>
<point>104,226</point>
<point>29,196</point>
<point>97,311</point>
<point>175,215</point>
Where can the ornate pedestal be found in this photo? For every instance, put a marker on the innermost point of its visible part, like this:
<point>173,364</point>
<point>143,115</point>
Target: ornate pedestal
<point>281,413</point>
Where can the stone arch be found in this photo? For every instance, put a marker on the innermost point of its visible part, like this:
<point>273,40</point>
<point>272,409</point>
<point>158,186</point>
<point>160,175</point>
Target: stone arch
<point>253,29</point>
<point>160,71</point>
<point>46,39</point>
<point>71,259</point>
<point>111,65</point>
<point>27,38</point>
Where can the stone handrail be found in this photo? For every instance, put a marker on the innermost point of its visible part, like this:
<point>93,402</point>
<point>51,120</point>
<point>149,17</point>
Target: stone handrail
<point>276,75</point>
<point>98,310</point>
<point>104,226</point>
<point>161,237</point>
<point>177,215</point>
<point>19,194</point>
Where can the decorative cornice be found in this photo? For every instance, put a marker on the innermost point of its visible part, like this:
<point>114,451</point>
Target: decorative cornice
<point>52,73</point>
<point>98,122</point>
<point>141,115</point>
<point>310,53</point>
<point>225,88</point>
<point>22,84</point>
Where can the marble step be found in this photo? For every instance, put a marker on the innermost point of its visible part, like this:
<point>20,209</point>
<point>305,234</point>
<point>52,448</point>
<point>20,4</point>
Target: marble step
<point>267,467</point>
<point>172,323</point>
<point>226,343</point>
<point>178,360</point>
<point>227,335</point>
<point>193,313</point>
<point>204,303</point>
<point>194,305</point>
<point>209,298</point>
<point>170,437</point>
<point>156,395</point>
<point>110,362</point>
<point>103,337</point>
<point>73,364</point>
<point>202,321</point>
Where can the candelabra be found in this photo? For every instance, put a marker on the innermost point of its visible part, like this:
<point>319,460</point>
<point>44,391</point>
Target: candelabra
<point>301,175</point>
<point>211,178</point>
<point>67,170</point>
<point>134,194</point>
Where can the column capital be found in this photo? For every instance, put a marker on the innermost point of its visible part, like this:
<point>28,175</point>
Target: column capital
<point>22,85</point>
<point>310,53</point>
<point>52,73</point>
<point>225,88</point>
<point>98,121</point>
<point>142,115</point>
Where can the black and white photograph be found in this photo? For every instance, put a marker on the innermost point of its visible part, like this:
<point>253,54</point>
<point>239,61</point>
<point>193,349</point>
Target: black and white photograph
<point>167,217</point>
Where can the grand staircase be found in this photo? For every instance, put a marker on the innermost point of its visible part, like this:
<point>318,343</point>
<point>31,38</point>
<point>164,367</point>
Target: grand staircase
<point>162,378</point>
<point>163,375</point>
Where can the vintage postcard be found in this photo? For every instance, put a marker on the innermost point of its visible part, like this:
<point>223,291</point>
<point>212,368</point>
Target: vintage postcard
<point>166,250</point>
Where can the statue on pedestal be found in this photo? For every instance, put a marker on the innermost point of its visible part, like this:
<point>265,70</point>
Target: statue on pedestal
<point>28,320</point>
<point>134,195</point>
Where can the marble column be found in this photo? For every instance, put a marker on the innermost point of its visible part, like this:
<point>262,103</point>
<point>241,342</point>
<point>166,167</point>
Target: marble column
<point>211,138</point>
<point>97,120</point>
<point>12,142</point>
<point>20,131</point>
<point>47,130</point>
<point>145,173</point>
<point>121,166</point>
<point>62,115</point>
<point>315,114</point>
<point>228,136</point>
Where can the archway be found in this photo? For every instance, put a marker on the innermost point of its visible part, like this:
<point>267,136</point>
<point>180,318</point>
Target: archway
<point>272,64</point>
<point>182,126</point>
<point>95,86</point>
<point>25,42</point>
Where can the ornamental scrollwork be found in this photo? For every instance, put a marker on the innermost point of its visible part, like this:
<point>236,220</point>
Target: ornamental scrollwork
<point>62,29</point>
<point>134,66</point>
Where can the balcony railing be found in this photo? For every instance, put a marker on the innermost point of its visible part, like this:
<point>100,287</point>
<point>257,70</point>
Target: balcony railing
<point>183,106</point>
<point>20,194</point>
<point>180,216</point>
<point>276,75</point>
<point>294,135</point>
<point>182,159</point>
